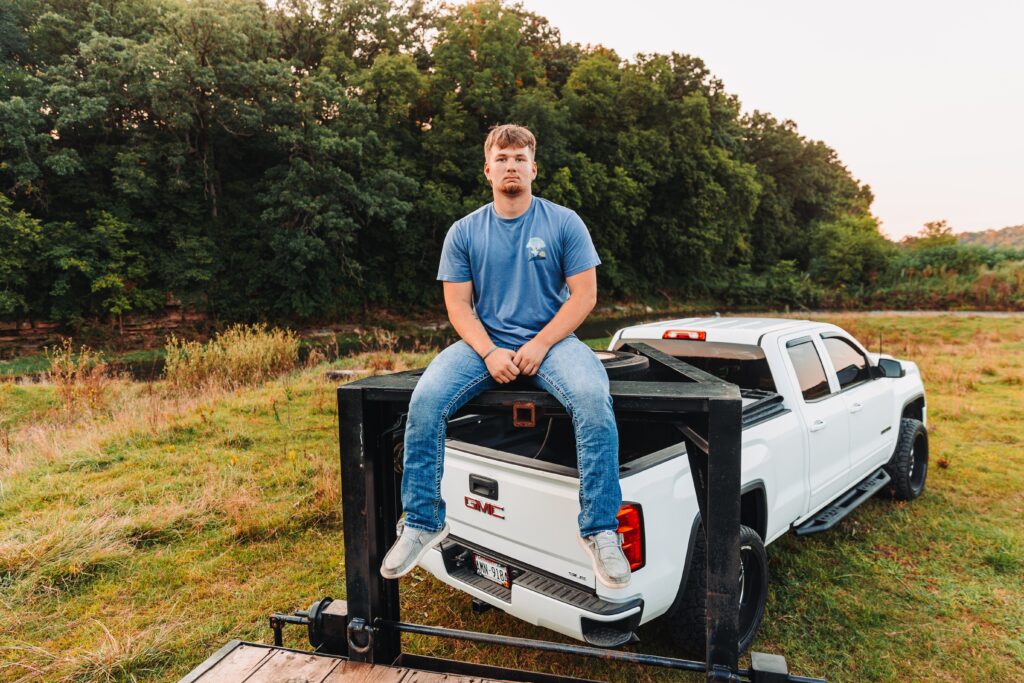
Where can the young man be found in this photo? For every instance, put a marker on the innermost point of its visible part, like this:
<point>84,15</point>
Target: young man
<point>508,271</point>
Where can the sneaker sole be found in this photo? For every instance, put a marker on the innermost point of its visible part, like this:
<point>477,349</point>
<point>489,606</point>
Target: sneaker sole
<point>419,556</point>
<point>593,565</point>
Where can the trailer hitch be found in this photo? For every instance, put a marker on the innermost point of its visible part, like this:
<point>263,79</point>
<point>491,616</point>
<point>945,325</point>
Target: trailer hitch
<point>524,414</point>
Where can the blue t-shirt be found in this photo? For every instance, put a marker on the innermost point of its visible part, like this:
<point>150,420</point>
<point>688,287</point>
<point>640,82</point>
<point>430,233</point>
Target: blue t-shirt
<point>518,266</point>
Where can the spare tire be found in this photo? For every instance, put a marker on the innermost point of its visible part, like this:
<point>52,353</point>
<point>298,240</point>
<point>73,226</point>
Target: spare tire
<point>622,365</point>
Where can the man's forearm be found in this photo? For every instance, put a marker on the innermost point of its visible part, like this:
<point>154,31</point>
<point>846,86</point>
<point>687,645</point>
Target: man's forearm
<point>570,316</point>
<point>470,328</point>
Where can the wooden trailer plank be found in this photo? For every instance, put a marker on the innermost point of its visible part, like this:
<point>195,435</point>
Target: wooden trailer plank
<point>349,672</point>
<point>427,677</point>
<point>235,666</point>
<point>239,662</point>
<point>360,672</point>
<point>294,667</point>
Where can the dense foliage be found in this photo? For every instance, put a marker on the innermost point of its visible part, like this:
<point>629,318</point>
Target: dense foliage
<point>303,158</point>
<point>1011,237</point>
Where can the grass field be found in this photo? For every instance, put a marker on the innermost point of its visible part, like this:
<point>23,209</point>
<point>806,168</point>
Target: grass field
<point>138,536</point>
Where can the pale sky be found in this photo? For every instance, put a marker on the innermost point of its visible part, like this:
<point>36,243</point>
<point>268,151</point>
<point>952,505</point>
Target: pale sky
<point>923,101</point>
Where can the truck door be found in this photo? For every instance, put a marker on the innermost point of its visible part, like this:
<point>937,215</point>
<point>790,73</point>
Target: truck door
<point>869,403</point>
<point>825,420</point>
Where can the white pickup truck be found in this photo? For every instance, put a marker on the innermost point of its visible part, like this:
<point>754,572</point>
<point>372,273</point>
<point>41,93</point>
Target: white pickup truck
<point>826,424</point>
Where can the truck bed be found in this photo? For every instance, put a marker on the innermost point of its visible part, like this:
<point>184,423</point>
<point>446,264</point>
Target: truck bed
<point>550,445</point>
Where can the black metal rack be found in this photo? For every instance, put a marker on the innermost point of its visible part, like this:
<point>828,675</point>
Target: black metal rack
<point>707,409</point>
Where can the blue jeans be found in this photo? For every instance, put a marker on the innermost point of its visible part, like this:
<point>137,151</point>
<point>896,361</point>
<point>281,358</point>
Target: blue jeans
<point>570,372</point>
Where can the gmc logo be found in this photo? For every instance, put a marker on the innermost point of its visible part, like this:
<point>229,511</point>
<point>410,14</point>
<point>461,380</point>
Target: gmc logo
<point>486,508</point>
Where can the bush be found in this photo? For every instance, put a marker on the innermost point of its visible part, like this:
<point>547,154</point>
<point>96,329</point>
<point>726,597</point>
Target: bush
<point>80,378</point>
<point>782,285</point>
<point>241,355</point>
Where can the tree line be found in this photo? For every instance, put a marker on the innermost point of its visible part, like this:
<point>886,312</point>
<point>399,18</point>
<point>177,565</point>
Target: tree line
<point>302,159</point>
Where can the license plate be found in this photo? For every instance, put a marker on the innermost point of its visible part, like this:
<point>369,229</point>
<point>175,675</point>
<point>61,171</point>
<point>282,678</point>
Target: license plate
<point>489,569</point>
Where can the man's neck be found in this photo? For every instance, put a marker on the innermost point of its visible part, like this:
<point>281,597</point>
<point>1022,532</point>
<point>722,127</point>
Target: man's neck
<point>512,207</point>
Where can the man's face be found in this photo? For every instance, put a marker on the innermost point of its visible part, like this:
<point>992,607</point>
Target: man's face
<point>510,170</point>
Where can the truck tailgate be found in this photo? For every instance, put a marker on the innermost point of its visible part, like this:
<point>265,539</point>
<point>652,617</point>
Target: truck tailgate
<point>531,517</point>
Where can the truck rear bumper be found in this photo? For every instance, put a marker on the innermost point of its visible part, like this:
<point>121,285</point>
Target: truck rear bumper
<point>537,598</point>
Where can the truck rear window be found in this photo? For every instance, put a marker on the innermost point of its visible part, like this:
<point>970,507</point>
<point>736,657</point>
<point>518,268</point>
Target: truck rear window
<point>741,364</point>
<point>809,370</point>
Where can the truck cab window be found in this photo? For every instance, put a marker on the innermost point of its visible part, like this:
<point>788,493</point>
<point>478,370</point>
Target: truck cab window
<point>809,370</point>
<point>850,364</point>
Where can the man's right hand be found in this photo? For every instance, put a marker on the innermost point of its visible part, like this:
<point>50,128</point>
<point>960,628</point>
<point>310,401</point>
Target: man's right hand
<point>499,364</point>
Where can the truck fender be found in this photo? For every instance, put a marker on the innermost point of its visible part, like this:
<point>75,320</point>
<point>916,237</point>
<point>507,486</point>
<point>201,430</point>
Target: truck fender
<point>913,407</point>
<point>688,561</point>
<point>754,506</point>
<point>753,513</point>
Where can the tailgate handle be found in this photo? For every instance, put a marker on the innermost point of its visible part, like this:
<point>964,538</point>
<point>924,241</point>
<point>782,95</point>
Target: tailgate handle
<point>524,414</point>
<point>482,486</point>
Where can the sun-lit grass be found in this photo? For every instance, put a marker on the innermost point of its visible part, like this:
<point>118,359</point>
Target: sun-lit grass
<point>24,365</point>
<point>139,537</point>
<point>239,356</point>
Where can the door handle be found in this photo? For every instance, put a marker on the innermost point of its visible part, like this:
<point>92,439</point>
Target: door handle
<point>817,425</point>
<point>856,407</point>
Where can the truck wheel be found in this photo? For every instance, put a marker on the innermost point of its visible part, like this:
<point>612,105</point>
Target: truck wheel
<point>909,464</point>
<point>688,615</point>
<point>622,365</point>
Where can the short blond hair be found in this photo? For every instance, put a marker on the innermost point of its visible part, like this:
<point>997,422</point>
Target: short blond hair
<point>510,135</point>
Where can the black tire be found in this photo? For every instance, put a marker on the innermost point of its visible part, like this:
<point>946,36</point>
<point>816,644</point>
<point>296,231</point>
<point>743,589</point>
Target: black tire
<point>687,618</point>
<point>622,365</point>
<point>908,466</point>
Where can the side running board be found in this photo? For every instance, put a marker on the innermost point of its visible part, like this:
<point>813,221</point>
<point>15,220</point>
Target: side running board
<point>830,516</point>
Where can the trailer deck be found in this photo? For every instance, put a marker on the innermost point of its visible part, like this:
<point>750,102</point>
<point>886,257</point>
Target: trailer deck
<point>242,662</point>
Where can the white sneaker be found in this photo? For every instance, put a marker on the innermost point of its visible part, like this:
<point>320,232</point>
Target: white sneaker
<point>409,549</point>
<point>610,565</point>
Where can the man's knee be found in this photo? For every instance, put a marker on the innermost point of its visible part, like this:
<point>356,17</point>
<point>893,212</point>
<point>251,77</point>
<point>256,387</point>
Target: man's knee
<point>427,403</point>
<point>593,402</point>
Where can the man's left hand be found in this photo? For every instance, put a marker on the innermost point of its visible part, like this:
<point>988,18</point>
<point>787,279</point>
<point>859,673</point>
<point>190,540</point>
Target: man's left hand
<point>529,357</point>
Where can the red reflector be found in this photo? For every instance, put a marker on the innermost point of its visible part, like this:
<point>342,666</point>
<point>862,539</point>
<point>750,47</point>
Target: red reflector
<point>631,531</point>
<point>695,335</point>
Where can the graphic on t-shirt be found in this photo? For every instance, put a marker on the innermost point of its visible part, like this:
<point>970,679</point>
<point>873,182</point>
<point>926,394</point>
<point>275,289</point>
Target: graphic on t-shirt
<point>537,248</point>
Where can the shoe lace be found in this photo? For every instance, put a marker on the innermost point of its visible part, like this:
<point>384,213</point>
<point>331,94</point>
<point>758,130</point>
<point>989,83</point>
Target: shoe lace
<point>606,539</point>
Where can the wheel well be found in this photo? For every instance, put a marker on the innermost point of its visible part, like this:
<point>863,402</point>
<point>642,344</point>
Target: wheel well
<point>915,409</point>
<point>754,510</point>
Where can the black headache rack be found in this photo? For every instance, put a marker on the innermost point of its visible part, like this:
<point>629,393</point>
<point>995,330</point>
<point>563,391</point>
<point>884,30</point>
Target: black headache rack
<point>706,409</point>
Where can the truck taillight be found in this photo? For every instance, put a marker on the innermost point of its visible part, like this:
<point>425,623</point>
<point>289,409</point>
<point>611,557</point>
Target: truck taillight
<point>695,335</point>
<point>631,531</point>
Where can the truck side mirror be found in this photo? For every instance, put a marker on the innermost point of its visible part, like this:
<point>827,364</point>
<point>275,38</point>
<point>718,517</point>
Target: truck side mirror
<point>887,367</point>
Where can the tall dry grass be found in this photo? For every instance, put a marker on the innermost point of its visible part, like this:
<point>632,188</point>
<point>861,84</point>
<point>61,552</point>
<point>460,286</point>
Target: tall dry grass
<point>120,658</point>
<point>242,355</point>
<point>63,554</point>
<point>80,377</point>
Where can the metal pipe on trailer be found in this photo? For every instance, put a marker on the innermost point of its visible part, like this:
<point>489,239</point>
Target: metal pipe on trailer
<point>708,408</point>
<point>333,633</point>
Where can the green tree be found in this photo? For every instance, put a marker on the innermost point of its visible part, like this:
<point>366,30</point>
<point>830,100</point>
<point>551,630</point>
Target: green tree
<point>21,236</point>
<point>933,234</point>
<point>97,262</point>
<point>803,182</point>
<point>849,252</point>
